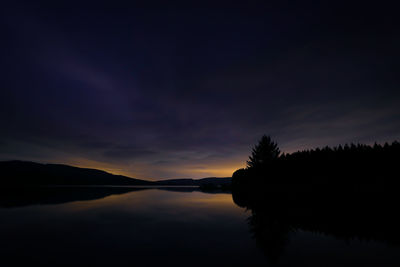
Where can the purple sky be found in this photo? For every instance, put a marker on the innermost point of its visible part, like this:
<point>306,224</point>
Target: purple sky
<point>186,91</point>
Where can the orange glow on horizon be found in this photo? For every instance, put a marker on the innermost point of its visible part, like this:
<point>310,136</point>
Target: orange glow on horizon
<point>143,171</point>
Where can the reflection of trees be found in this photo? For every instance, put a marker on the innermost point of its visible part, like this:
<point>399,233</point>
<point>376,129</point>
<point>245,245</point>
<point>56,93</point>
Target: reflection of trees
<point>349,192</point>
<point>270,235</point>
<point>344,215</point>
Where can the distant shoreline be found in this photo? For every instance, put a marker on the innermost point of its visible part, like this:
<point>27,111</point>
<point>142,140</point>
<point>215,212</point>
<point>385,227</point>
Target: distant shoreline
<point>31,174</point>
<point>101,186</point>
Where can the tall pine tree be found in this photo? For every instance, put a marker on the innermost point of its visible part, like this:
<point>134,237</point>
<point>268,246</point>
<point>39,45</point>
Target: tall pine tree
<point>264,152</point>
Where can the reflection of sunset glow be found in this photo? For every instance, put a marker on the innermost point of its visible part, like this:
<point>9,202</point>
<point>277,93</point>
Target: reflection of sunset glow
<point>148,200</point>
<point>208,200</point>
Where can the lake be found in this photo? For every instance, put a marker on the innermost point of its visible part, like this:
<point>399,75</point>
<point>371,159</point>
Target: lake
<point>153,227</point>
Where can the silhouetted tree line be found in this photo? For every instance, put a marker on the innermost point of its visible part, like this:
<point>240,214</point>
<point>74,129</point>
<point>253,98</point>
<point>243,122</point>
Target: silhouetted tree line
<point>349,192</point>
<point>342,166</point>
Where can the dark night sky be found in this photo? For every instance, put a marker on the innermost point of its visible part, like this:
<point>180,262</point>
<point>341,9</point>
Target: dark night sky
<point>164,91</point>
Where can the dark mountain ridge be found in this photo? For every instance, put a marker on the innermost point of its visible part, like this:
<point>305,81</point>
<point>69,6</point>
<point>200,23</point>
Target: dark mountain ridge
<point>25,173</point>
<point>15,173</point>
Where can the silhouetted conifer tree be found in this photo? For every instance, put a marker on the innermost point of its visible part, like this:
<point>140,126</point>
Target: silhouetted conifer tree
<point>264,152</point>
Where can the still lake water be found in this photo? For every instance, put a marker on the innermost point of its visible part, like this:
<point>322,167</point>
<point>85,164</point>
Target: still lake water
<point>153,227</point>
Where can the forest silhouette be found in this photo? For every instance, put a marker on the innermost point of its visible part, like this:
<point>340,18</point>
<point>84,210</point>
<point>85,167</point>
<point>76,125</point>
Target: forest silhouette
<point>348,192</point>
<point>344,167</point>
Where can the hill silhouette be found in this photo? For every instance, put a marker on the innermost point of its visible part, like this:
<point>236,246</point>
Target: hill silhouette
<point>25,183</point>
<point>23,173</point>
<point>17,173</point>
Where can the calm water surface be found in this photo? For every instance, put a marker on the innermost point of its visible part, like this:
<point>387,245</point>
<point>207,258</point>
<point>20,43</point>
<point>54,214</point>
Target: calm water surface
<point>158,227</point>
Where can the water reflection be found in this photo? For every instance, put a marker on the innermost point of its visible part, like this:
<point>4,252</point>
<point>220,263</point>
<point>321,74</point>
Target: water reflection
<point>139,228</point>
<point>25,196</point>
<point>50,195</point>
<point>181,227</point>
<point>344,224</point>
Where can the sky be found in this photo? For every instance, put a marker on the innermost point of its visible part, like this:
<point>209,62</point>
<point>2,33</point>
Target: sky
<point>168,90</point>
